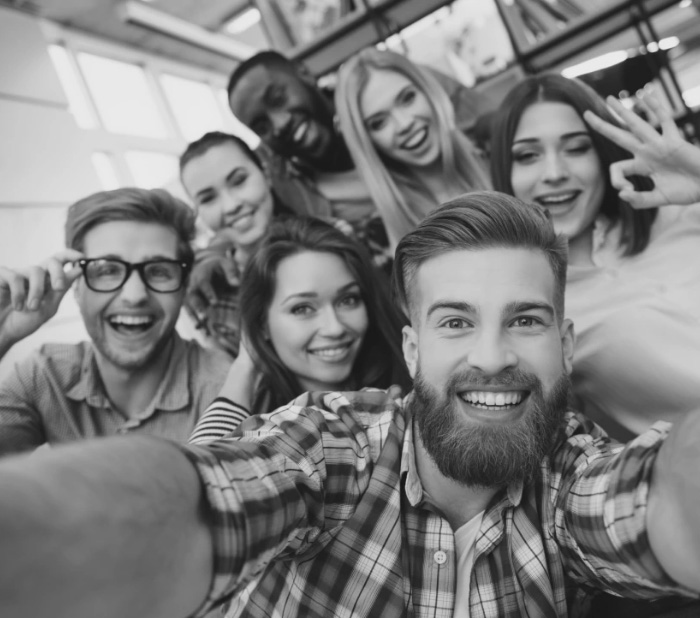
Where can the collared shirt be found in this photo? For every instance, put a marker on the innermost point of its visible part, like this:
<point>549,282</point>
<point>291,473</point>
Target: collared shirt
<point>637,323</point>
<point>56,395</point>
<point>317,510</point>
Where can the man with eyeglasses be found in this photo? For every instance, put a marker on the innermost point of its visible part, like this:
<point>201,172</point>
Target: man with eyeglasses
<point>127,259</point>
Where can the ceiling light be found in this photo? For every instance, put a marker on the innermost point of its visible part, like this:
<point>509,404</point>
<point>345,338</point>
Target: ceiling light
<point>242,21</point>
<point>596,64</point>
<point>141,14</point>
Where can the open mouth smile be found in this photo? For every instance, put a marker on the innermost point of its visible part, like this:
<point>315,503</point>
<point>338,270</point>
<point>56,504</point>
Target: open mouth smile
<point>561,198</point>
<point>416,140</point>
<point>131,324</point>
<point>493,401</point>
<point>300,132</point>
<point>337,352</point>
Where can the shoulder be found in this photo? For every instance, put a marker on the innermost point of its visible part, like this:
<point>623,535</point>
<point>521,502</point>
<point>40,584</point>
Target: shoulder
<point>62,359</point>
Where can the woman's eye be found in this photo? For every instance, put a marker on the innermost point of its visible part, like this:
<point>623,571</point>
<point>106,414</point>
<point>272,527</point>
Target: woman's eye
<point>351,300</point>
<point>376,124</point>
<point>408,97</point>
<point>524,156</point>
<point>301,310</point>
<point>238,180</point>
<point>579,149</point>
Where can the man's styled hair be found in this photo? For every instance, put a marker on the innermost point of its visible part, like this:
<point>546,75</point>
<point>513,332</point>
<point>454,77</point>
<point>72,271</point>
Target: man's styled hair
<point>268,57</point>
<point>132,204</point>
<point>212,139</point>
<point>480,220</point>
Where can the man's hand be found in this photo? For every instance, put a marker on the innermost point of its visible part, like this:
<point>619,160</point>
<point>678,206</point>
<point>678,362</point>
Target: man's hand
<point>30,297</point>
<point>667,158</point>
<point>212,267</point>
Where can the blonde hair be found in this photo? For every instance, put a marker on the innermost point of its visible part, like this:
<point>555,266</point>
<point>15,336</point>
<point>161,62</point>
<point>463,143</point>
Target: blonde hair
<point>402,200</point>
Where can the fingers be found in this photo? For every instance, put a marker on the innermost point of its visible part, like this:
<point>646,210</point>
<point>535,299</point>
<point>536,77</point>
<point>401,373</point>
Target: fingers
<point>230,271</point>
<point>622,138</point>
<point>620,171</point>
<point>642,199</point>
<point>15,285</point>
<point>62,278</point>
<point>652,101</point>
<point>641,129</point>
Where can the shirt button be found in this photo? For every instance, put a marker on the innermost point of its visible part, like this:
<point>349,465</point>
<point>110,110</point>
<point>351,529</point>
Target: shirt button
<point>440,557</point>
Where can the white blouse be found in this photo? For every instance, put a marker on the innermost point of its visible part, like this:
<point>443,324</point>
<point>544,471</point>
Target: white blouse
<point>637,321</point>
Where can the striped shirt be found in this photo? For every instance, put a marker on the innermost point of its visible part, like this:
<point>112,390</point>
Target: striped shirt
<point>56,395</point>
<point>317,510</point>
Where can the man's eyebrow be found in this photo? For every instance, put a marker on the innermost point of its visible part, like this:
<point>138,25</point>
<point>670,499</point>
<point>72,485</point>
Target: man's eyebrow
<point>521,306</point>
<point>454,305</point>
<point>529,140</point>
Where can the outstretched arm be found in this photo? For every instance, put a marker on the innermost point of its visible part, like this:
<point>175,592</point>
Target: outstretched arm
<point>673,514</point>
<point>667,158</point>
<point>125,535</point>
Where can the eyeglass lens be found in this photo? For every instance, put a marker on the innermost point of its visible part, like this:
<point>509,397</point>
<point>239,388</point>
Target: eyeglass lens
<point>110,275</point>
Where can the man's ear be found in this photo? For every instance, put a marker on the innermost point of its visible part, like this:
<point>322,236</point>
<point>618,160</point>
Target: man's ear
<point>568,343</point>
<point>304,74</point>
<point>410,349</point>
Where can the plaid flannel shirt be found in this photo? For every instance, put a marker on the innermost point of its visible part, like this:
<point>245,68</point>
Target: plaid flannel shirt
<point>317,510</point>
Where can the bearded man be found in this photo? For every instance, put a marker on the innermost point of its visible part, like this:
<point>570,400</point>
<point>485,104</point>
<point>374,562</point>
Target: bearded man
<point>479,494</point>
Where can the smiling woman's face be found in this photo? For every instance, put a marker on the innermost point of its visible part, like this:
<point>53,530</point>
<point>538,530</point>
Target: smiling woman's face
<point>317,319</point>
<point>399,119</point>
<point>555,165</point>
<point>230,191</point>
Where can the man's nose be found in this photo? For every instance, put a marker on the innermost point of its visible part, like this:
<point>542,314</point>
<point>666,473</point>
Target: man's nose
<point>491,353</point>
<point>280,121</point>
<point>134,289</point>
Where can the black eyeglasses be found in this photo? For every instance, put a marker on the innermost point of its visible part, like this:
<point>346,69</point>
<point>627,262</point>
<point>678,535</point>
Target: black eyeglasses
<point>110,274</point>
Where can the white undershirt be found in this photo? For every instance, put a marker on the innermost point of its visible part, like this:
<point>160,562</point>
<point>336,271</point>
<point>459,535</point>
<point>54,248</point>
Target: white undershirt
<point>465,541</point>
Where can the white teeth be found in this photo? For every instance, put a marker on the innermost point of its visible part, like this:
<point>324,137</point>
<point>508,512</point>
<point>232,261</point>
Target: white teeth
<point>557,199</point>
<point>416,139</point>
<point>489,398</point>
<point>330,352</point>
<point>131,320</point>
<point>300,131</point>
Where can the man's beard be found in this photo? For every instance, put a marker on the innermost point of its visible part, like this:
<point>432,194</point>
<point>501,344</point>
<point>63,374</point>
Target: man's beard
<point>488,455</point>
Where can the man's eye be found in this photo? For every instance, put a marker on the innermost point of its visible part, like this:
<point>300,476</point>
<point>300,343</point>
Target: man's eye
<point>527,321</point>
<point>454,323</point>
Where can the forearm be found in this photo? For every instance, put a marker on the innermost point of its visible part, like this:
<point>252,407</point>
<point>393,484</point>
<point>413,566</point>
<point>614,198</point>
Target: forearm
<point>108,528</point>
<point>673,515</point>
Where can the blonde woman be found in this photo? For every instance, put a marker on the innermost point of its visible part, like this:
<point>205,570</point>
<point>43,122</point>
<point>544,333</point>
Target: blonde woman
<point>399,126</point>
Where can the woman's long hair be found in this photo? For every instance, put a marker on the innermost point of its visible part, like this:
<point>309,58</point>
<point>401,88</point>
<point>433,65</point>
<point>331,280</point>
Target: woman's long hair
<point>401,199</point>
<point>379,362</point>
<point>555,88</point>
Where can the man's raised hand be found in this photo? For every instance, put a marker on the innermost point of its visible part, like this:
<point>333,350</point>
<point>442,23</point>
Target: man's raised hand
<point>29,297</point>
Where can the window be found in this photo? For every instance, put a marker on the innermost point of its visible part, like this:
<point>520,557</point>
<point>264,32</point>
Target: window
<point>122,96</point>
<point>75,93</point>
<point>103,162</point>
<point>152,169</point>
<point>193,104</point>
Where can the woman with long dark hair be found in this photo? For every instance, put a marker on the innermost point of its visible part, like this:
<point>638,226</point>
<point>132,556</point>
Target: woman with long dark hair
<point>315,316</point>
<point>633,285</point>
